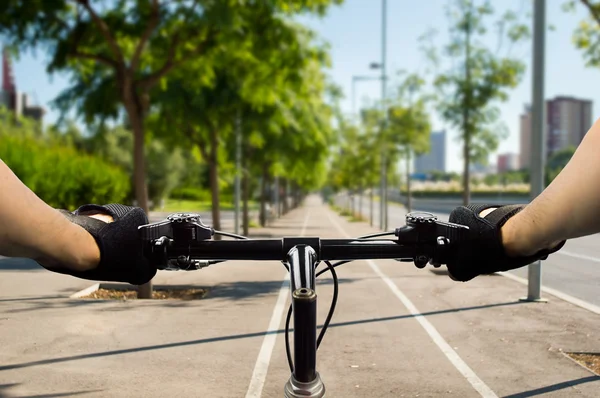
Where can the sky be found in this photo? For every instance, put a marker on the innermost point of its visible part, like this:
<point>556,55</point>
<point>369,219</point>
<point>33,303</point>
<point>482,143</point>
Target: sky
<point>353,31</point>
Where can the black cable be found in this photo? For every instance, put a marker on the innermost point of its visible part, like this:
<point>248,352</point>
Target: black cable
<point>288,352</point>
<point>330,268</point>
<point>333,302</point>
<point>222,233</point>
<point>334,266</point>
<point>377,235</point>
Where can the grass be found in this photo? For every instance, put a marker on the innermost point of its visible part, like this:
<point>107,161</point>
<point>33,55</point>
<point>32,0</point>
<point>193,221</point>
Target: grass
<point>175,205</point>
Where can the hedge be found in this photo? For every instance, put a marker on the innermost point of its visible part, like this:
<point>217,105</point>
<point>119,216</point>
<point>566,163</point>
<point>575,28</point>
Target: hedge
<point>458,194</point>
<point>63,177</point>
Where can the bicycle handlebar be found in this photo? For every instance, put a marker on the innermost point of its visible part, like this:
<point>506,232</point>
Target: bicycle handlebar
<point>182,241</point>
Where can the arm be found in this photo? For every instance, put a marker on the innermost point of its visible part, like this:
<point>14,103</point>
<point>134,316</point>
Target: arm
<point>568,208</point>
<point>30,228</point>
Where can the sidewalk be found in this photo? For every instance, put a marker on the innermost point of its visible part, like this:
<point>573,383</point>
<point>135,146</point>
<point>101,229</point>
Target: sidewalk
<point>382,341</point>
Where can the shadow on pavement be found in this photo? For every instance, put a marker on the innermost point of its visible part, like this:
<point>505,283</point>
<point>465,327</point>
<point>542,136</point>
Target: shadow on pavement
<point>60,394</point>
<point>18,299</point>
<point>238,337</point>
<point>36,305</point>
<point>228,291</point>
<point>19,264</point>
<point>553,387</point>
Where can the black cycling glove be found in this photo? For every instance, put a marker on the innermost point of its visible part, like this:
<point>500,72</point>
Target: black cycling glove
<point>121,253</point>
<point>482,252</point>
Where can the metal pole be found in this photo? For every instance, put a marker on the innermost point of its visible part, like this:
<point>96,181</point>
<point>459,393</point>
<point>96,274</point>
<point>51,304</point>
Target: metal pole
<point>538,142</point>
<point>238,168</point>
<point>383,195</point>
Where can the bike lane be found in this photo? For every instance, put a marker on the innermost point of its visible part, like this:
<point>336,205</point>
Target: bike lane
<point>515,348</point>
<point>374,346</point>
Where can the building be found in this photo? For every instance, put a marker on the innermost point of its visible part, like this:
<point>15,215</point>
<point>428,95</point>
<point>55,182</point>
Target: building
<point>525,147</point>
<point>508,162</point>
<point>568,120</point>
<point>10,97</point>
<point>435,159</point>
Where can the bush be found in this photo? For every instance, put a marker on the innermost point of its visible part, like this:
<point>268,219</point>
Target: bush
<point>191,193</point>
<point>474,194</point>
<point>63,177</point>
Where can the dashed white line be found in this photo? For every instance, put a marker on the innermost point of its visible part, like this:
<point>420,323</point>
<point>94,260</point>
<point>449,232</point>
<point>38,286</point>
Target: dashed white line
<point>443,345</point>
<point>579,256</point>
<point>261,367</point>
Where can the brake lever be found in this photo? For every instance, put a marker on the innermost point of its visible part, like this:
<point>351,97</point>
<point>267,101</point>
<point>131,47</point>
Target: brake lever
<point>431,237</point>
<point>178,229</point>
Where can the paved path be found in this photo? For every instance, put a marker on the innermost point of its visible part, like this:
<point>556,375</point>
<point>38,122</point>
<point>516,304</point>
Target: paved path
<point>398,331</point>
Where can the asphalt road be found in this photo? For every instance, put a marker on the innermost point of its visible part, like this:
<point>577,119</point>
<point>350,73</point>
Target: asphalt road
<point>575,270</point>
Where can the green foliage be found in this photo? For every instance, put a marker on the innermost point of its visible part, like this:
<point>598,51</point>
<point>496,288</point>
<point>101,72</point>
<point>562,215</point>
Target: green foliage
<point>508,177</point>
<point>557,161</point>
<point>61,176</point>
<point>166,166</point>
<point>191,193</point>
<point>586,36</point>
<point>437,175</point>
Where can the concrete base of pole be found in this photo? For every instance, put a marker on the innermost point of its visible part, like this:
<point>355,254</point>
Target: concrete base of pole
<point>533,300</point>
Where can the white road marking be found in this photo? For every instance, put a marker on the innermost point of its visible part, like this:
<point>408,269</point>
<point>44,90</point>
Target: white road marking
<point>579,256</point>
<point>563,296</point>
<point>450,353</point>
<point>261,367</point>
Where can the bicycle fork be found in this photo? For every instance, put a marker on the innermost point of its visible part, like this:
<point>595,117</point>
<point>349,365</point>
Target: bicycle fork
<point>305,381</point>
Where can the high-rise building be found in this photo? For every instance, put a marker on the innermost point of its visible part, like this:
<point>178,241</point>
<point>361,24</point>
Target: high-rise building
<point>435,159</point>
<point>508,162</point>
<point>568,119</point>
<point>525,148</point>
<point>11,99</point>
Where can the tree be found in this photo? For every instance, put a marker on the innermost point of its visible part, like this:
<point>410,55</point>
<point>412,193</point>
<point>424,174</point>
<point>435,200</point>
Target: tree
<point>477,78</point>
<point>272,78</point>
<point>557,161</point>
<point>408,123</point>
<point>587,34</point>
<point>120,54</point>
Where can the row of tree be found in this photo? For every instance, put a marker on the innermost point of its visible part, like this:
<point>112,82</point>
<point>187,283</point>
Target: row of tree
<point>186,74</point>
<point>468,78</point>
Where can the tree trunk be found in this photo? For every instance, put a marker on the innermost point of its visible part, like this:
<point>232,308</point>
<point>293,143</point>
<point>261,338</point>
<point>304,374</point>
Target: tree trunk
<point>245,197</point>
<point>285,197</point>
<point>214,180</point>
<point>135,113</point>
<point>360,201</point>
<point>408,195</point>
<point>263,198</point>
<point>371,206</point>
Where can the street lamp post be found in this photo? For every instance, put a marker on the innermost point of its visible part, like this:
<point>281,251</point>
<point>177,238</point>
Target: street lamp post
<point>356,79</point>
<point>374,65</point>
<point>538,145</point>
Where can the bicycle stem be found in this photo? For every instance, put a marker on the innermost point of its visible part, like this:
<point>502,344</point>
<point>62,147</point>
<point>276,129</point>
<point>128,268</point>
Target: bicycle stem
<point>305,381</point>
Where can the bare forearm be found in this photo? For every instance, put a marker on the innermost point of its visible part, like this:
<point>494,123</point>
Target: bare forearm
<point>30,228</point>
<point>569,207</point>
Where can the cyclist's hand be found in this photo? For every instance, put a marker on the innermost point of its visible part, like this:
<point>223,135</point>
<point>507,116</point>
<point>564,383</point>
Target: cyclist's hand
<point>115,230</point>
<point>483,251</point>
